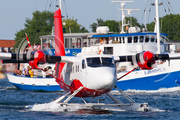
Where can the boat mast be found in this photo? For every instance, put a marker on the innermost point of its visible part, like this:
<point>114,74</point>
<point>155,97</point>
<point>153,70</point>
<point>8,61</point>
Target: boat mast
<point>157,27</point>
<point>123,14</point>
<point>60,5</point>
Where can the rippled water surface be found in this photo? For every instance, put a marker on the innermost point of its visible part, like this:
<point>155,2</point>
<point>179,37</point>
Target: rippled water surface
<point>165,104</point>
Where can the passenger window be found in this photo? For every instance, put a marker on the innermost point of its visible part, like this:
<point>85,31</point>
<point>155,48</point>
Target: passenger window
<point>141,39</point>
<point>83,64</point>
<point>135,39</point>
<point>129,39</point>
<point>108,50</point>
<point>123,39</point>
<point>152,38</point>
<point>120,40</point>
<point>147,39</point>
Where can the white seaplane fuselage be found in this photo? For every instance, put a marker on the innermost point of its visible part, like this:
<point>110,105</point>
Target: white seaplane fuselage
<point>96,73</point>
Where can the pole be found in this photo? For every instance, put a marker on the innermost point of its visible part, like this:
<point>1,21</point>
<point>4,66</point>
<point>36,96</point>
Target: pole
<point>157,27</point>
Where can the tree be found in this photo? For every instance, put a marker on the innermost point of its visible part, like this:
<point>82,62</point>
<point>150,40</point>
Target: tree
<point>72,26</point>
<point>114,26</point>
<point>151,26</point>
<point>171,26</point>
<point>40,24</point>
<point>100,22</point>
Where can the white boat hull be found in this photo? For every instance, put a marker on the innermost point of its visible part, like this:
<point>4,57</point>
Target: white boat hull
<point>29,83</point>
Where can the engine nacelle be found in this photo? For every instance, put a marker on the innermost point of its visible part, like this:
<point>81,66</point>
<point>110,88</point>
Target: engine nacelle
<point>145,60</point>
<point>39,57</point>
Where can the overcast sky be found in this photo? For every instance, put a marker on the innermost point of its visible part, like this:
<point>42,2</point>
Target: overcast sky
<point>14,12</point>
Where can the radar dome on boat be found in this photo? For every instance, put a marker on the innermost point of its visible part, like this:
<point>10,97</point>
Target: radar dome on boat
<point>102,30</point>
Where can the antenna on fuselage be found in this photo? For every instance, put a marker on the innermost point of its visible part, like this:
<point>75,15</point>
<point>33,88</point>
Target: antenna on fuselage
<point>123,14</point>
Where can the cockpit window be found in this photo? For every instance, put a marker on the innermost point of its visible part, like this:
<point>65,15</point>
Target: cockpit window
<point>93,61</point>
<point>100,62</point>
<point>107,61</point>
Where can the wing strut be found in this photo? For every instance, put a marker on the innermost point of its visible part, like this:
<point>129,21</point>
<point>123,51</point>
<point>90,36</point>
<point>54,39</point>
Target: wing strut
<point>126,74</point>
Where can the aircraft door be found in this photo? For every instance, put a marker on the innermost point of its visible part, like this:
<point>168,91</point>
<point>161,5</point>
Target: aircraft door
<point>84,72</point>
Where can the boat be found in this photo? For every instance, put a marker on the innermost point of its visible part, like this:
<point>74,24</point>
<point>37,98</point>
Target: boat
<point>165,74</point>
<point>28,83</point>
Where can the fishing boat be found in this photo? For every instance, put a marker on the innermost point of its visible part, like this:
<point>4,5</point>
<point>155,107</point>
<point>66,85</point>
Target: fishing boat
<point>164,75</point>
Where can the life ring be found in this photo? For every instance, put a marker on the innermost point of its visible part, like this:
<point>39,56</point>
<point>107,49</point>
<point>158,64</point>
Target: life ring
<point>99,51</point>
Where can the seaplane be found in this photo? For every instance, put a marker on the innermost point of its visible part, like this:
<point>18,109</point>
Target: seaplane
<point>85,75</point>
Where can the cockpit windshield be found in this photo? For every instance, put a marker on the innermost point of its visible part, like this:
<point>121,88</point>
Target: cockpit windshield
<point>100,62</point>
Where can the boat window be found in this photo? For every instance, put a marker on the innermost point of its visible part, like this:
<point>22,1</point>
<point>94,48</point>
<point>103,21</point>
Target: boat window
<point>73,43</point>
<point>85,41</point>
<point>141,39</point>
<point>83,64</point>
<point>67,43</point>
<point>79,42</point>
<point>123,39</point>
<point>129,39</point>
<point>73,69</point>
<point>76,68</point>
<point>96,62</point>
<point>108,50</point>
<point>147,39</point>
<point>135,39</point>
<point>152,38</point>
<point>120,40</point>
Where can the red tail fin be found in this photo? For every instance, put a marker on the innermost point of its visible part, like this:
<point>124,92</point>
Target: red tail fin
<point>59,45</point>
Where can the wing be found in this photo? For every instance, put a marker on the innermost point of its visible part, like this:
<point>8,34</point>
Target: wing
<point>34,58</point>
<point>146,60</point>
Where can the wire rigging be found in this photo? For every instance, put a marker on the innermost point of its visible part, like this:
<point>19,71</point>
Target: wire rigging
<point>171,7</point>
<point>168,7</point>
<point>46,5</point>
<point>50,4</point>
<point>164,7</point>
<point>149,11</point>
<point>144,12</point>
<point>65,9</point>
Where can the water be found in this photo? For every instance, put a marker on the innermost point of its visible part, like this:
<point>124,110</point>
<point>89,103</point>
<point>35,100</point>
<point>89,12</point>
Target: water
<point>165,104</point>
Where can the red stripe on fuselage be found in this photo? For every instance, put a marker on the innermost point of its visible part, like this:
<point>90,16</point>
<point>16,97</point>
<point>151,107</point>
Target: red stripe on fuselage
<point>86,92</point>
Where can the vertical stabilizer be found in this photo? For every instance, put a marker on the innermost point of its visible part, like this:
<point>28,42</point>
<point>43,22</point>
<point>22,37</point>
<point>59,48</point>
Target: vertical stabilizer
<point>59,45</point>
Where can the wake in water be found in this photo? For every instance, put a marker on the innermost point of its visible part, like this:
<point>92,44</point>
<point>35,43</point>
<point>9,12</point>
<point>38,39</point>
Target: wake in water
<point>173,89</point>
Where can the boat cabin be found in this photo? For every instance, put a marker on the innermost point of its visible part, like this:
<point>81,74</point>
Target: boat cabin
<point>123,44</point>
<point>74,42</point>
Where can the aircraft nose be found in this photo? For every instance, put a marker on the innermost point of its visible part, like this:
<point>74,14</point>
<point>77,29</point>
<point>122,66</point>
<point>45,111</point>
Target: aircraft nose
<point>102,78</point>
<point>108,80</point>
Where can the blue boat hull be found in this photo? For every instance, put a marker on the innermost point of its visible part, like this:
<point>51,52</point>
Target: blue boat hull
<point>37,87</point>
<point>167,80</point>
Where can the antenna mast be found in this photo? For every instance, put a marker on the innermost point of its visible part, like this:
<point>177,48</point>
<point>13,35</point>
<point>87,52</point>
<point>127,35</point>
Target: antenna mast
<point>123,14</point>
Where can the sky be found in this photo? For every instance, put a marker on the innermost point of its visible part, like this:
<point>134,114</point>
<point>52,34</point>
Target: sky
<point>14,12</point>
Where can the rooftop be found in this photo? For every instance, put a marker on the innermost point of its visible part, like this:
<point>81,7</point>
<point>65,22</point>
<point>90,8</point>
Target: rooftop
<point>7,43</point>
